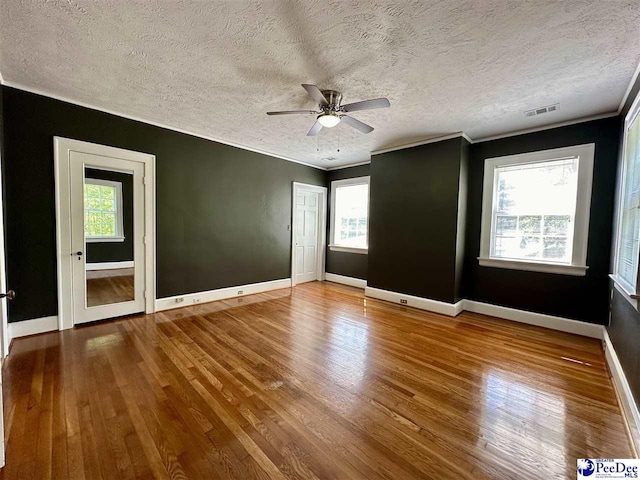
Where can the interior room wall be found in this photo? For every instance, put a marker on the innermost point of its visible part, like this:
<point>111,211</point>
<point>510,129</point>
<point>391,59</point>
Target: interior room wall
<point>624,326</point>
<point>415,203</point>
<point>222,212</point>
<point>344,263</point>
<point>98,252</point>
<point>580,298</point>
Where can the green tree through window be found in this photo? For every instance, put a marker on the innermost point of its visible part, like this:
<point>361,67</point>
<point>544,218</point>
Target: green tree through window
<point>101,209</point>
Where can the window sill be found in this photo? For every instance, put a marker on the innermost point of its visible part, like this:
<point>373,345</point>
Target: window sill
<point>338,248</point>
<point>625,290</point>
<point>103,239</point>
<point>574,270</point>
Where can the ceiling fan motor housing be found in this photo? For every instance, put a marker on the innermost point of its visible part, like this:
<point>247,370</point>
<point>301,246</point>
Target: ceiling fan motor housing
<point>334,99</point>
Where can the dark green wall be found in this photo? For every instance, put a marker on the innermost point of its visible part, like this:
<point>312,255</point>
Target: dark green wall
<point>344,263</point>
<point>98,252</point>
<point>581,298</point>
<point>414,198</point>
<point>222,212</point>
<point>624,332</point>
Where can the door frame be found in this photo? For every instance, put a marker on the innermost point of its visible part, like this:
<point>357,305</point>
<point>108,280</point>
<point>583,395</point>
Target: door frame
<point>62,148</point>
<point>322,228</point>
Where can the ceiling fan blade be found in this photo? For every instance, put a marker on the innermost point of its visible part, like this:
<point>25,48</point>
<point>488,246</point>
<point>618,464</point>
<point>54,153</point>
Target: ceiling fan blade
<point>293,112</point>
<point>357,124</point>
<point>367,105</point>
<point>315,93</point>
<point>315,130</point>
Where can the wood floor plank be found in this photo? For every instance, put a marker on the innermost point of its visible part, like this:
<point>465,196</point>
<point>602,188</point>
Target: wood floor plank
<point>315,382</point>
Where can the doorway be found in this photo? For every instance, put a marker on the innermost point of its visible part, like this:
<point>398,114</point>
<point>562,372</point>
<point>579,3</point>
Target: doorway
<point>309,212</point>
<point>105,232</point>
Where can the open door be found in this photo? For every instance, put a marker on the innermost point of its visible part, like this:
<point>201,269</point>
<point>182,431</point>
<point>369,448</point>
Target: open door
<point>4,331</point>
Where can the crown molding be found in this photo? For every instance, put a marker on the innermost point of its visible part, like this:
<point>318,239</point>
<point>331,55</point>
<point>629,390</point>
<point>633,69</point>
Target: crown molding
<point>547,127</point>
<point>440,138</point>
<point>625,97</point>
<point>340,167</point>
<point>155,124</point>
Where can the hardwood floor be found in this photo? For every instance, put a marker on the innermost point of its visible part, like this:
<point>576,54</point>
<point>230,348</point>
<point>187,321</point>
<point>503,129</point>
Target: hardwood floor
<point>109,286</point>
<point>313,382</point>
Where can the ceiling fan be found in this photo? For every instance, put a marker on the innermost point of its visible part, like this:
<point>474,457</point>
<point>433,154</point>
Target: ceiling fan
<point>331,112</point>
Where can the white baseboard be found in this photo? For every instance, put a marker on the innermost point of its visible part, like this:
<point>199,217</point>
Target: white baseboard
<point>220,294</point>
<point>351,281</point>
<point>31,327</point>
<point>451,309</point>
<point>627,402</point>
<point>540,319</point>
<point>108,265</point>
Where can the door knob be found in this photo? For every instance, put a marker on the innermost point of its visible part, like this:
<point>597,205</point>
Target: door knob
<point>77,253</point>
<point>10,295</point>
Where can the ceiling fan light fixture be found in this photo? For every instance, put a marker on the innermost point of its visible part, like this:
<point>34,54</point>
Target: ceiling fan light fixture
<point>328,120</point>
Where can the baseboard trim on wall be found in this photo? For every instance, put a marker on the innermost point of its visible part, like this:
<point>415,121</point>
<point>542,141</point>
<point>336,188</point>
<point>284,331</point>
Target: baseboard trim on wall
<point>32,327</point>
<point>108,265</point>
<point>539,319</point>
<point>450,309</point>
<point>351,281</point>
<point>627,402</point>
<point>188,299</point>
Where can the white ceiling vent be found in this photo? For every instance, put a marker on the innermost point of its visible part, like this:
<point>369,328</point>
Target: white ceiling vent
<point>541,110</point>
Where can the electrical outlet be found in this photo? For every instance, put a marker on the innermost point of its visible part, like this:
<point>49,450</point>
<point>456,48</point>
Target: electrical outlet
<point>179,299</point>
<point>403,301</point>
<point>240,292</point>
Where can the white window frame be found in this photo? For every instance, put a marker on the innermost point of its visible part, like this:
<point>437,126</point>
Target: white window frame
<point>621,285</point>
<point>119,236</point>
<point>345,183</point>
<point>578,266</point>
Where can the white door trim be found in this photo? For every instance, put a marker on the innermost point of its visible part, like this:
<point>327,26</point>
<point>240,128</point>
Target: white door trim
<point>322,227</point>
<point>62,149</point>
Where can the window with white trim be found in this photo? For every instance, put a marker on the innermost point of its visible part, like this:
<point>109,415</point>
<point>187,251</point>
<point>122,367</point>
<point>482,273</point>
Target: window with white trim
<point>535,210</point>
<point>626,263</point>
<point>349,231</point>
<point>103,211</point>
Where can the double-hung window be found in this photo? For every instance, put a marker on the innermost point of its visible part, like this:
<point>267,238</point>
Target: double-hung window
<point>349,230</point>
<point>535,210</point>
<point>103,211</point>
<point>625,274</point>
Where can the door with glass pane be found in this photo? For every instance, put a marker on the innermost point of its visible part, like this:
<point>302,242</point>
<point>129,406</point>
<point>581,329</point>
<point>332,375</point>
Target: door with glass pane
<point>107,236</point>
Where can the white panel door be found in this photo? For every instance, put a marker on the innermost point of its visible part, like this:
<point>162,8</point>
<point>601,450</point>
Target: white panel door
<point>306,237</point>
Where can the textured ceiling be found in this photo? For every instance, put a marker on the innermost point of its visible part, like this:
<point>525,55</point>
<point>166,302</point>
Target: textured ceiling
<point>215,68</point>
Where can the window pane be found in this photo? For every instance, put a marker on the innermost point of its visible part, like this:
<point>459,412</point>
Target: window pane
<point>92,191</point>
<point>554,248</point>
<point>506,224</point>
<point>530,246</point>
<point>629,235</point>
<point>530,223</point>
<point>556,224</point>
<point>94,224</point>
<point>108,225</point>
<point>350,221</point>
<point>92,203</point>
<point>535,210</point>
<point>101,216</point>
